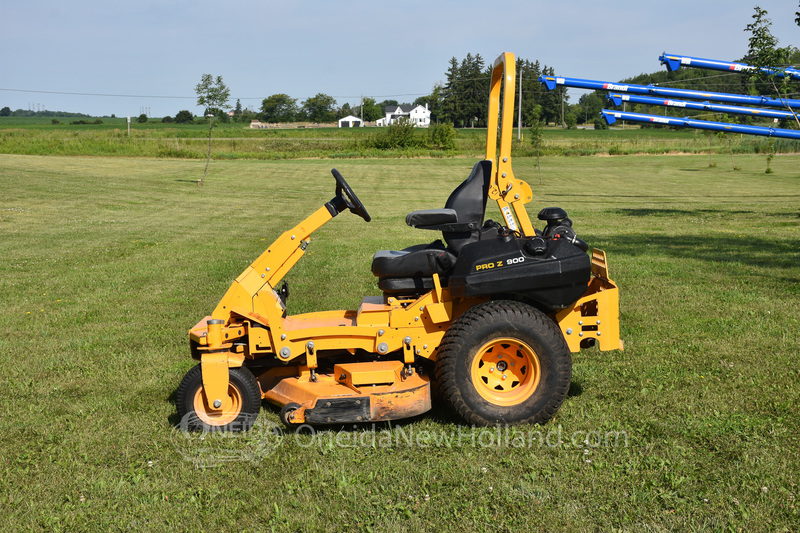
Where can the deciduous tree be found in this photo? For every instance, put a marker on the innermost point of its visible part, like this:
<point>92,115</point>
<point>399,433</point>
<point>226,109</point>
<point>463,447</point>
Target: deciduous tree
<point>320,108</point>
<point>279,108</point>
<point>371,110</point>
<point>767,57</point>
<point>213,95</point>
<point>184,116</point>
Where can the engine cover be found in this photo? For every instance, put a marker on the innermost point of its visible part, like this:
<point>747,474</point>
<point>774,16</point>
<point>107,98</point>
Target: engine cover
<point>554,277</point>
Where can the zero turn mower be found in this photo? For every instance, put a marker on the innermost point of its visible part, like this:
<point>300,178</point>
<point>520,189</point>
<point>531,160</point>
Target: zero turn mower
<point>489,314</point>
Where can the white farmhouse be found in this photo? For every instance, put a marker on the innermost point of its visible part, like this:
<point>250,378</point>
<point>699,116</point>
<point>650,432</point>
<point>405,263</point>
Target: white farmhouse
<point>419,115</point>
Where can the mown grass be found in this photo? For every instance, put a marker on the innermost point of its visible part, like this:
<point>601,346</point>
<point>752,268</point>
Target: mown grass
<point>31,136</point>
<point>107,262</point>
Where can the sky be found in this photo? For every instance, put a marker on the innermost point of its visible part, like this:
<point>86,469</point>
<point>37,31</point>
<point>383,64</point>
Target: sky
<point>103,57</point>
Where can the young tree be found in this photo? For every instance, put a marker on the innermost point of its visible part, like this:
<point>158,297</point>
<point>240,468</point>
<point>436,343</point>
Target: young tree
<point>767,57</point>
<point>535,136</point>
<point>213,95</point>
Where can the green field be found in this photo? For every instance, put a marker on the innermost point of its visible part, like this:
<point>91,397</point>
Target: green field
<point>37,136</point>
<point>107,262</point>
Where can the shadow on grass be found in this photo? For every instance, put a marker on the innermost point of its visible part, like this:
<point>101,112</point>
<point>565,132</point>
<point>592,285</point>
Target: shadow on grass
<point>173,419</point>
<point>681,213</point>
<point>575,389</point>
<point>759,252</point>
<point>673,197</point>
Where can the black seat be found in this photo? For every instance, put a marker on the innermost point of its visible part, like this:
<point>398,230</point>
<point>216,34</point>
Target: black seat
<point>415,261</point>
<point>462,217</point>
<point>410,271</point>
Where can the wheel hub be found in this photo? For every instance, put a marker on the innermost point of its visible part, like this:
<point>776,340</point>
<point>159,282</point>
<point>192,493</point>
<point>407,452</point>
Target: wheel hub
<point>223,412</point>
<point>505,371</point>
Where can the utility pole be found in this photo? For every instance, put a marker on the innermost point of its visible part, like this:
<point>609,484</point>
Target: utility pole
<point>361,107</point>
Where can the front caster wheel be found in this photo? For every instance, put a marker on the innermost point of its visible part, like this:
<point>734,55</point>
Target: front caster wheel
<point>196,413</point>
<point>287,415</point>
<point>504,362</point>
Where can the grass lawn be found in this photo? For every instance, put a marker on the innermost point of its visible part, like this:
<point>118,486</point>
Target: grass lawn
<point>107,262</point>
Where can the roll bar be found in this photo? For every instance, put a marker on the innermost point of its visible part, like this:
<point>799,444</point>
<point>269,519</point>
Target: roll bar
<point>510,193</point>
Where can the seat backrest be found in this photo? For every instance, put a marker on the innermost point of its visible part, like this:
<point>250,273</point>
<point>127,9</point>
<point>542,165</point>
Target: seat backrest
<point>469,198</point>
<point>469,201</point>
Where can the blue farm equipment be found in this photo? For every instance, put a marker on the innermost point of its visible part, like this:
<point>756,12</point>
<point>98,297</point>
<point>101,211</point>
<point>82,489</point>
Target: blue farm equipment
<point>618,99</point>
<point>613,116</point>
<point>673,62</point>
<point>551,82</point>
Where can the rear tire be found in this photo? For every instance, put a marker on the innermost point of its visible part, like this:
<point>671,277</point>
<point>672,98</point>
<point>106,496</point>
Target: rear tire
<point>504,362</point>
<point>243,392</point>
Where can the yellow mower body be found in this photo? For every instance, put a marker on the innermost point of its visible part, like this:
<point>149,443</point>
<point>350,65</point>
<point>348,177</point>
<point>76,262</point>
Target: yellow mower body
<point>375,363</point>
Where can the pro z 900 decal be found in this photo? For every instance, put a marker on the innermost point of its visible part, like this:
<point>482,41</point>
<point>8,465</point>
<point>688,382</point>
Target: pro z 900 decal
<point>500,263</point>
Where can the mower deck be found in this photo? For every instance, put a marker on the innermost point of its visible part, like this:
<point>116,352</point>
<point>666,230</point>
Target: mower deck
<point>354,392</point>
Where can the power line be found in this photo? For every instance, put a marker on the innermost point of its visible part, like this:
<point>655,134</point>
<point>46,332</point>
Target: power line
<point>110,95</point>
<point>668,82</point>
<point>93,94</point>
<point>456,81</point>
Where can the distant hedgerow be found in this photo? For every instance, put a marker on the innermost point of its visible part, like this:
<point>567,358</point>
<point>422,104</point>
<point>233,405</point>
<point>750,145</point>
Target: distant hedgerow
<point>442,136</point>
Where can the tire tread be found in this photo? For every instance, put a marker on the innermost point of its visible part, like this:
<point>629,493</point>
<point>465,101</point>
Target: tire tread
<point>454,346</point>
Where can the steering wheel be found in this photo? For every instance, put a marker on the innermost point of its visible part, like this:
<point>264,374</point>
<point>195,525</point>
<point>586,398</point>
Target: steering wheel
<point>347,195</point>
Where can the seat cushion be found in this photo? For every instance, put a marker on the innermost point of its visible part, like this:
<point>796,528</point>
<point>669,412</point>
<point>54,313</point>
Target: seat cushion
<point>422,260</point>
<point>405,286</point>
<point>432,217</point>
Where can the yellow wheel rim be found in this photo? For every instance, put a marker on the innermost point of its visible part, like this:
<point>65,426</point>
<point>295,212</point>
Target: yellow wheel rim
<point>218,417</point>
<point>505,371</point>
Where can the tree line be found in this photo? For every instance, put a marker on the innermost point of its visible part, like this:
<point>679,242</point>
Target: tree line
<point>462,100</point>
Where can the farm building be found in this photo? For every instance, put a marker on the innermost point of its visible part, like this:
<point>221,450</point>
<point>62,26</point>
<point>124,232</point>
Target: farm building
<point>419,115</point>
<point>350,122</point>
